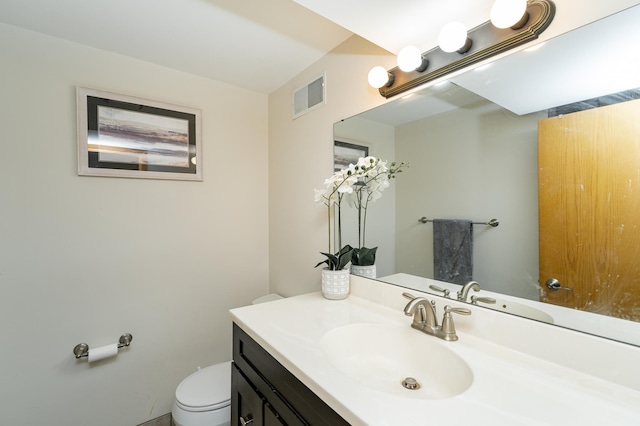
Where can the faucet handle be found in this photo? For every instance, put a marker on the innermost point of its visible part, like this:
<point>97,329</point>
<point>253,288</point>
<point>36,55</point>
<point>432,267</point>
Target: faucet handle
<point>446,291</point>
<point>448,327</point>
<point>476,299</point>
<point>461,311</point>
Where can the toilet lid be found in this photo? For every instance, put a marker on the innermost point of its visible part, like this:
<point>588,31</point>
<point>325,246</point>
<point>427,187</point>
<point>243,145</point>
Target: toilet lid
<point>207,388</point>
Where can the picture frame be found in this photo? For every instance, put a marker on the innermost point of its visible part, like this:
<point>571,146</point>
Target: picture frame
<point>345,153</point>
<point>126,136</point>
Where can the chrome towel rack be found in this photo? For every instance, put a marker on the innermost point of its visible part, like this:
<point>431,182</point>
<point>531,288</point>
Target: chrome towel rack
<point>82,349</point>
<point>492,222</point>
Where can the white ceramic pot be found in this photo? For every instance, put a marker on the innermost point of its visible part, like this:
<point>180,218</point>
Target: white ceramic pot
<point>335,284</point>
<point>368,271</point>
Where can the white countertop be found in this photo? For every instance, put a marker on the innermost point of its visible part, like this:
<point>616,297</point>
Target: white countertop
<point>509,387</point>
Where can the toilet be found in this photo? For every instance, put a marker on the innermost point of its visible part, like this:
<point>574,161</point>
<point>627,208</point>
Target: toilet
<point>204,398</point>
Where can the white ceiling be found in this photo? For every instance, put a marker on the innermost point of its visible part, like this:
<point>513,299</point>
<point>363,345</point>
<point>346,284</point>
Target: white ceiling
<point>398,23</point>
<point>255,44</point>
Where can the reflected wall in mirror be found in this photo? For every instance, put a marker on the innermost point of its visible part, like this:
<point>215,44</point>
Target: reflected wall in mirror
<point>472,143</point>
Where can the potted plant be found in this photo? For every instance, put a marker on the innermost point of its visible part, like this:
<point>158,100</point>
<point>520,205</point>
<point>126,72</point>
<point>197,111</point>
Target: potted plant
<point>374,176</point>
<point>335,278</point>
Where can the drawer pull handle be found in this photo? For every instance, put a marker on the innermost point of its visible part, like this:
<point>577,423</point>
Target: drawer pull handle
<point>248,419</point>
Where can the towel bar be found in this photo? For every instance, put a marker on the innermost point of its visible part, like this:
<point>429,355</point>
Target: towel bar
<point>492,222</point>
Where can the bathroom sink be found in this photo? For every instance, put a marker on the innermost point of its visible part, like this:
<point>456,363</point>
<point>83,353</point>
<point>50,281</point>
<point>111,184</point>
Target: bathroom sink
<point>520,309</point>
<point>390,358</point>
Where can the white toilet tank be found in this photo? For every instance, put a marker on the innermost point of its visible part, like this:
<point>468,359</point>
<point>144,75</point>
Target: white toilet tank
<point>204,398</point>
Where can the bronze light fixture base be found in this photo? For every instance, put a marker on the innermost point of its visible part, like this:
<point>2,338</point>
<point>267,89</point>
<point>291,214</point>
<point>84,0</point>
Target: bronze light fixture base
<point>487,41</point>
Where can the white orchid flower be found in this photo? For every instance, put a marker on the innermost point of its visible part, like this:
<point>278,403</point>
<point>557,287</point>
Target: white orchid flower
<point>319,195</point>
<point>383,184</point>
<point>362,182</point>
<point>374,195</point>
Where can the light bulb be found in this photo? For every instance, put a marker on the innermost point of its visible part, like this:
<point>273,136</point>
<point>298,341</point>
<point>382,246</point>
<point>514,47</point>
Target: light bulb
<point>507,13</point>
<point>378,77</point>
<point>453,37</point>
<point>409,58</point>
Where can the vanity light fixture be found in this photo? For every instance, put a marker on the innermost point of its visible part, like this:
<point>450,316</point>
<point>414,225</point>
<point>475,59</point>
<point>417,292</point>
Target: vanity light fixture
<point>411,59</point>
<point>380,77</point>
<point>509,14</point>
<point>453,37</point>
<point>510,26</point>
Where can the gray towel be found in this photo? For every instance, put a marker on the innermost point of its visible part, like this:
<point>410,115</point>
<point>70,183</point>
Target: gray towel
<point>453,250</point>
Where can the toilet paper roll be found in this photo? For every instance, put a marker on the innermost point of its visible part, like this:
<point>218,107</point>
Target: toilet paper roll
<point>103,352</point>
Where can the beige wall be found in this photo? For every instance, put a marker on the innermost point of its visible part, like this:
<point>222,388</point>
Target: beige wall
<point>301,158</point>
<point>85,259</point>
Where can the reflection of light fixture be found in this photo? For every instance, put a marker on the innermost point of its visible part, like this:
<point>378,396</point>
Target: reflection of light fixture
<point>453,38</point>
<point>534,48</point>
<point>483,67</point>
<point>380,77</point>
<point>509,14</point>
<point>193,160</point>
<point>410,59</point>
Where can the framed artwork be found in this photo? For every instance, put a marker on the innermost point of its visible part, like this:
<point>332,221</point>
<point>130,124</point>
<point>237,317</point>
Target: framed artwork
<point>124,136</point>
<point>345,153</point>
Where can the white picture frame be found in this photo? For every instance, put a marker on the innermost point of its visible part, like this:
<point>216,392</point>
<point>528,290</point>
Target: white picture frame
<point>126,136</point>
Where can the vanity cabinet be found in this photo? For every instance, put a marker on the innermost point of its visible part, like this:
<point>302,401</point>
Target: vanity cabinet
<point>263,392</point>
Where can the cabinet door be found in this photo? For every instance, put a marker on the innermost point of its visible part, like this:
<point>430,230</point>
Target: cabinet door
<point>246,403</point>
<point>271,418</point>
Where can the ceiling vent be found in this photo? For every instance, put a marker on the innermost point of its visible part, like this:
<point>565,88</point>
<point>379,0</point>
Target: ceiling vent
<point>309,96</point>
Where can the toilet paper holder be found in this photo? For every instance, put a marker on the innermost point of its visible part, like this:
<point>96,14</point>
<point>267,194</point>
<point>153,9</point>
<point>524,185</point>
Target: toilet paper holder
<point>82,349</point>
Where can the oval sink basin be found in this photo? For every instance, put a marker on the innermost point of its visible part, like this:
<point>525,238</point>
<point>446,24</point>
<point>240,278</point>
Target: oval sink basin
<point>382,357</point>
<point>519,309</point>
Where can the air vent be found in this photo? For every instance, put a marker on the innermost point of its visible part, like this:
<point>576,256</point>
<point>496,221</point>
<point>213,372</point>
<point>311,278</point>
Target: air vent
<point>309,96</point>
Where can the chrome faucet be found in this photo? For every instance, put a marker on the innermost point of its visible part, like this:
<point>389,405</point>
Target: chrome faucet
<point>464,292</point>
<point>424,317</point>
<point>423,311</point>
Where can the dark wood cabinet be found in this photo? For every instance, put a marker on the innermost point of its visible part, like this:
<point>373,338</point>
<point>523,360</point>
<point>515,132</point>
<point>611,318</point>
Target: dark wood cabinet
<point>263,392</point>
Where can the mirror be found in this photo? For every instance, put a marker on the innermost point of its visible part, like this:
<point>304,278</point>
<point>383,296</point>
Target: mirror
<point>472,145</point>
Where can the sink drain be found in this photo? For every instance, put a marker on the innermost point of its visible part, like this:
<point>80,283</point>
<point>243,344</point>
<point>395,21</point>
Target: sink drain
<point>410,383</point>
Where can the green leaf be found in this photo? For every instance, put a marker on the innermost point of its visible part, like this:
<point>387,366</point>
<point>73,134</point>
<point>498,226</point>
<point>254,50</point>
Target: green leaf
<point>339,260</point>
<point>364,256</point>
<point>344,257</point>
